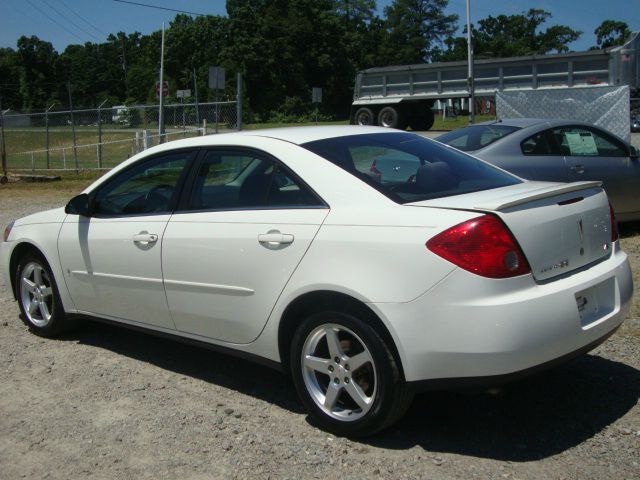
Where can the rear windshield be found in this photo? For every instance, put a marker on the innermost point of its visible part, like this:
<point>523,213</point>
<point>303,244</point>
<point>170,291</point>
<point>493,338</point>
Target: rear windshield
<point>476,137</point>
<point>408,168</point>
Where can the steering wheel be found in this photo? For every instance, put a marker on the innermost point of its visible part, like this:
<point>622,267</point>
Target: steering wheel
<point>158,198</point>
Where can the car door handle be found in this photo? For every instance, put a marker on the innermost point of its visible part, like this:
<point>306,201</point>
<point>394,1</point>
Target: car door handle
<point>578,168</point>
<point>275,238</point>
<point>145,238</point>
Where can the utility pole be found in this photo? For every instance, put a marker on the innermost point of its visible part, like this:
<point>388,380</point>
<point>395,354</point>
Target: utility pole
<point>73,129</point>
<point>100,134</point>
<point>3,145</point>
<point>470,83</point>
<point>195,91</point>
<point>161,92</point>
<point>46,133</point>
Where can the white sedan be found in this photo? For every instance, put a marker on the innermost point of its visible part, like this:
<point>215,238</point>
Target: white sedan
<point>291,248</point>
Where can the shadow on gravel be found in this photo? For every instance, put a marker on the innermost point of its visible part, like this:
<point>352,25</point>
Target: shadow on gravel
<point>629,229</point>
<point>529,420</point>
<point>234,373</point>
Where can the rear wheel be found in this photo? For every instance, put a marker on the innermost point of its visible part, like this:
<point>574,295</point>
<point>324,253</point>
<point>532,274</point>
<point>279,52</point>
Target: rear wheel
<point>346,375</point>
<point>422,120</point>
<point>391,117</point>
<point>38,296</point>
<point>364,116</point>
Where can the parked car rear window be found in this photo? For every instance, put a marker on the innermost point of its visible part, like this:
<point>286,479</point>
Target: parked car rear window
<point>408,168</point>
<point>476,137</point>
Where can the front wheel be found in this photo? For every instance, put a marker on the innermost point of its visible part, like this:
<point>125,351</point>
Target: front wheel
<point>38,297</point>
<point>346,375</point>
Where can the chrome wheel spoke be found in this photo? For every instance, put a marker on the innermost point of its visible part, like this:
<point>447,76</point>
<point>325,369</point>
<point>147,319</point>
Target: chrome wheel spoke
<point>359,360</point>
<point>358,396</point>
<point>318,364</point>
<point>29,285</point>
<point>44,310</point>
<point>33,306</point>
<point>46,291</point>
<point>331,397</point>
<point>37,276</point>
<point>335,350</point>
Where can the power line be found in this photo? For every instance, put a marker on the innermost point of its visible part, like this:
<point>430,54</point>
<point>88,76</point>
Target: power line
<point>82,18</point>
<point>70,21</point>
<point>54,21</point>
<point>163,8</point>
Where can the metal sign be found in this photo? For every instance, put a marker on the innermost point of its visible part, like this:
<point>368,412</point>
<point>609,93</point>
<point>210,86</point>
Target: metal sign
<point>183,93</point>
<point>165,89</point>
<point>316,95</point>
<point>216,78</point>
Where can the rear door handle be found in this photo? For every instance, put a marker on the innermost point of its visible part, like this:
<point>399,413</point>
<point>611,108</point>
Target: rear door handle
<point>145,238</point>
<point>578,168</point>
<point>275,238</point>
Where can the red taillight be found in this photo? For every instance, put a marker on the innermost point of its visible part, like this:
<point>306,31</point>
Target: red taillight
<point>614,224</point>
<point>482,245</point>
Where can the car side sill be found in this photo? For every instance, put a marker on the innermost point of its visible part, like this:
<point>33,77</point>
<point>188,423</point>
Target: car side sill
<point>489,381</point>
<point>189,341</point>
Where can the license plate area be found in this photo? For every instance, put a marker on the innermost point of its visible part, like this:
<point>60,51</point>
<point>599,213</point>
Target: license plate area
<point>596,302</point>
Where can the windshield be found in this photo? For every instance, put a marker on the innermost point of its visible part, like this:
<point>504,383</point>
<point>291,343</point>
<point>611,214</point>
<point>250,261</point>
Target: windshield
<point>476,137</point>
<point>409,168</point>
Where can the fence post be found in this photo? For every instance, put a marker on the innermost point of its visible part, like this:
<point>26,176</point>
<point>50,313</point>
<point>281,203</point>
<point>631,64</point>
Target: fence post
<point>137,141</point>
<point>100,134</point>
<point>204,126</point>
<point>73,129</point>
<point>239,103</point>
<point>145,139</point>
<point>3,146</point>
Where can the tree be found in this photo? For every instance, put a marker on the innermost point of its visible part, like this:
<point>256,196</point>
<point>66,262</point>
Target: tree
<point>37,71</point>
<point>415,29</point>
<point>611,33</point>
<point>512,36</point>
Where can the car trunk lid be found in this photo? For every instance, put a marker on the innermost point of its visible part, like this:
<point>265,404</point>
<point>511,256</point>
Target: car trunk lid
<point>560,227</point>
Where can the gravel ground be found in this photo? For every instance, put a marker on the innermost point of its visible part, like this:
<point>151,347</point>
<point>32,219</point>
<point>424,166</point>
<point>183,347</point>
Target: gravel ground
<point>109,403</point>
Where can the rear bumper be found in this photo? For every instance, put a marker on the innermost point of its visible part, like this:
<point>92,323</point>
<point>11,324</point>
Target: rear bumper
<point>472,330</point>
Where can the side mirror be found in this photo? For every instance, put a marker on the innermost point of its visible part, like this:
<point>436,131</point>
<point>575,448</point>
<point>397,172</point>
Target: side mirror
<point>634,153</point>
<point>78,205</point>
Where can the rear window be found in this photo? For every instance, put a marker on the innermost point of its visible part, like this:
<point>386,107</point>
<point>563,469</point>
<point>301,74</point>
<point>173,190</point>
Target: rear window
<point>408,168</point>
<point>475,137</point>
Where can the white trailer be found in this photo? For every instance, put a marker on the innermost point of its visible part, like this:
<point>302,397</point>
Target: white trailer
<point>404,95</point>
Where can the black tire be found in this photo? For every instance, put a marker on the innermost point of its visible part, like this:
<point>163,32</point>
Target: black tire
<point>422,121</point>
<point>364,116</point>
<point>36,287</point>
<point>3,179</point>
<point>377,381</point>
<point>392,117</point>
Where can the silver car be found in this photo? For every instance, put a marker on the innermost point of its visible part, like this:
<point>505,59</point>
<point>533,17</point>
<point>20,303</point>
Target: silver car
<point>558,151</point>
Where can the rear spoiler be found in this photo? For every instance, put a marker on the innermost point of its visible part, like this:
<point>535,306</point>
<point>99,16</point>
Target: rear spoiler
<point>544,192</point>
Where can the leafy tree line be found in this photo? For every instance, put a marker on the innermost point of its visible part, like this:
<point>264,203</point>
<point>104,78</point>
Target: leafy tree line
<point>283,48</point>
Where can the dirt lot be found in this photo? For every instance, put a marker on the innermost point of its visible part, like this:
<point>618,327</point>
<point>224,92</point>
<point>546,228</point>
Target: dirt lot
<point>105,402</point>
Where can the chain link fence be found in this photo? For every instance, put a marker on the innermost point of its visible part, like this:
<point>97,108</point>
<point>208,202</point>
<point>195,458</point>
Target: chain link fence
<point>102,138</point>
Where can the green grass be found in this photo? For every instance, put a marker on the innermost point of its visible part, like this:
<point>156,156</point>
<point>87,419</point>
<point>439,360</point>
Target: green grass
<point>25,147</point>
<point>457,122</point>
<point>258,126</point>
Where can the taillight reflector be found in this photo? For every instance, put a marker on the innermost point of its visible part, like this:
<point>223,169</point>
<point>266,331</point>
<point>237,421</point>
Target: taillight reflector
<point>483,246</point>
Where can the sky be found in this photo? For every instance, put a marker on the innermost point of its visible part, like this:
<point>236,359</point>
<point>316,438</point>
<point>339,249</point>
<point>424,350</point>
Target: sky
<point>64,22</point>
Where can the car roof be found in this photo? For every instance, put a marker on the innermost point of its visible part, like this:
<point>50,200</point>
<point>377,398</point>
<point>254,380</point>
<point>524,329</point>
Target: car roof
<point>530,122</point>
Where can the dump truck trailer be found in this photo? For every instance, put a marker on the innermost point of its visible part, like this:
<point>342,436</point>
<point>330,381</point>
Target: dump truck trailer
<point>404,95</point>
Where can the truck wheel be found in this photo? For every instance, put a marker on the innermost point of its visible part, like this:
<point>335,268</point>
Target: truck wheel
<point>364,116</point>
<point>422,121</point>
<point>391,117</point>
